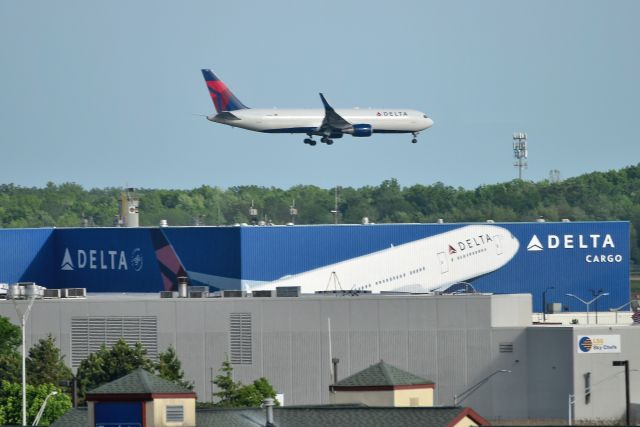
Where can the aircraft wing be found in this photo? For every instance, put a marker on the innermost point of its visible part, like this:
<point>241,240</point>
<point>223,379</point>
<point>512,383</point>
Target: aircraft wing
<point>332,120</point>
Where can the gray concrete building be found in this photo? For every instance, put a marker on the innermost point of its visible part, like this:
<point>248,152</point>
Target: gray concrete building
<point>456,341</point>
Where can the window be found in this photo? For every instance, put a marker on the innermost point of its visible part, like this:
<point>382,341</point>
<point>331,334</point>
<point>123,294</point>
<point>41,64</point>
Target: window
<point>587,388</point>
<point>174,414</point>
<point>240,338</point>
<point>88,333</point>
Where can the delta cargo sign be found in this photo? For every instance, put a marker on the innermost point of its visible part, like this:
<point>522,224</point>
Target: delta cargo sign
<point>569,257</point>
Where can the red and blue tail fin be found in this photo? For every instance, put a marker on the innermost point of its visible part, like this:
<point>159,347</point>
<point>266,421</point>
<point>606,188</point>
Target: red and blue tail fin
<point>170,265</point>
<point>223,99</point>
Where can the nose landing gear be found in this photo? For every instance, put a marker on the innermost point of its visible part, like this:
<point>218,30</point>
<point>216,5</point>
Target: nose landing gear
<point>415,137</point>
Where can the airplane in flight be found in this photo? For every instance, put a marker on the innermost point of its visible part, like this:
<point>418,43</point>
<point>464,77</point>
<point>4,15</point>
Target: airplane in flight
<point>327,124</point>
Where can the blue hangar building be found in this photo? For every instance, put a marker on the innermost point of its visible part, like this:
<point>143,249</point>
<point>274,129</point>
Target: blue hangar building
<point>570,257</point>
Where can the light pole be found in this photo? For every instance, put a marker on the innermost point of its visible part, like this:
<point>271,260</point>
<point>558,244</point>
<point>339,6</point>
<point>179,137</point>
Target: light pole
<point>593,294</point>
<point>588,303</point>
<point>29,292</point>
<point>44,405</point>
<point>544,303</point>
<point>625,363</point>
<point>458,398</point>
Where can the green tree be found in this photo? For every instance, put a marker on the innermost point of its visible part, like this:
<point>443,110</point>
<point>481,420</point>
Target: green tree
<point>10,337</point>
<point>108,364</point>
<point>10,340</point>
<point>234,394</point>
<point>169,367</point>
<point>45,364</point>
<point>228,388</point>
<point>11,403</point>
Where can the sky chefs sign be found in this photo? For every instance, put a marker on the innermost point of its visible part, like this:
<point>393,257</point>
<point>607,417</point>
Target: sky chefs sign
<point>598,344</point>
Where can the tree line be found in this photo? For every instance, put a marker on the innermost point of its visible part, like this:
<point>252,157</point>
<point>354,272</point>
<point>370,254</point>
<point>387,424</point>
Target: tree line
<point>597,196</point>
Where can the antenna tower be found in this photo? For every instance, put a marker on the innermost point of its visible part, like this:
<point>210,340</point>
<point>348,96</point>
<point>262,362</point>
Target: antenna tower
<point>520,151</point>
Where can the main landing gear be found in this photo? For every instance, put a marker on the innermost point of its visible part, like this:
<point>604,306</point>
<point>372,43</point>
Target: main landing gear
<point>324,140</point>
<point>415,137</point>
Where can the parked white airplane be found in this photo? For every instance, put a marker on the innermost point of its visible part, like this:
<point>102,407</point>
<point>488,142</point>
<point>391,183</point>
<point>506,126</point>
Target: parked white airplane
<point>424,265</point>
<point>327,123</point>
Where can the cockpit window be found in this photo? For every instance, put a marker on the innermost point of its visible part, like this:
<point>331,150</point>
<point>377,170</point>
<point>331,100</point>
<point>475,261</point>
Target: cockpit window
<point>425,116</point>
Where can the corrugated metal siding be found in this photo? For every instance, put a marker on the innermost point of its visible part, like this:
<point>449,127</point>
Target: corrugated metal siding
<point>231,255</point>
<point>26,256</point>
<point>292,340</point>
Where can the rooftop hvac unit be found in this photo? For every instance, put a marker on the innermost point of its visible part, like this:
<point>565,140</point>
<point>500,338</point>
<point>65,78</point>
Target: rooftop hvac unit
<point>233,294</point>
<point>30,290</point>
<point>52,293</point>
<point>343,292</point>
<point>15,292</point>
<point>202,290</point>
<point>166,294</point>
<point>262,294</point>
<point>287,291</point>
<point>74,293</point>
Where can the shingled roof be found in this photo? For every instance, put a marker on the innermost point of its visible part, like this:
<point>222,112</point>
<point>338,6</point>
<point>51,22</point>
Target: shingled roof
<point>317,416</point>
<point>382,375</point>
<point>139,382</point>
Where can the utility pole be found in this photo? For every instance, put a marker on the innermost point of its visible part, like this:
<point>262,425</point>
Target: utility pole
<point>625,363</point>
<point>335,211</point>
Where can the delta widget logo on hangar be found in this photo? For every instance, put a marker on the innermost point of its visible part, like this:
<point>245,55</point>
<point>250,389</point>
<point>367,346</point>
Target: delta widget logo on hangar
<point>570,241</point>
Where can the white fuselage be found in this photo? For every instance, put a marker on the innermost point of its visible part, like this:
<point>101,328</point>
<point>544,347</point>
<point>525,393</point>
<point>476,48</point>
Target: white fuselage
<point>419,266</point>
<point>306,120</point>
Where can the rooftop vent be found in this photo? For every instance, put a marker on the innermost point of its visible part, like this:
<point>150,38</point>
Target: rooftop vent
<point>232,293</point>
<point>74,293</point>
<point>262,294</point>
<point>287,291</point>
<point>506,347</point>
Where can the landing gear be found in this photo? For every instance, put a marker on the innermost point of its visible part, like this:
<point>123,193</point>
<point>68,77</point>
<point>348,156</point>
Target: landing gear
<point>415,137</point>
<point>309,141</point>
<point>326,140</point>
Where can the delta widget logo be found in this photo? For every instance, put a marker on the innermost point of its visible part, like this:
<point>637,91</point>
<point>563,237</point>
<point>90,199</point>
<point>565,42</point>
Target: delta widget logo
<point>585,344</point>
<point>137,261</point>
<point>99,259</point>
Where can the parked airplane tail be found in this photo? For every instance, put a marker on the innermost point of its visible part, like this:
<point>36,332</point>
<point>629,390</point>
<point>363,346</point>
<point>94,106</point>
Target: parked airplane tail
<point>170,265</point>
<point>223,99</point>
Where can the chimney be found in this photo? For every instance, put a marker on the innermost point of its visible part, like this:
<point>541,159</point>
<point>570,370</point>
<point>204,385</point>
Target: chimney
<point>182,287</point>
<point>268,404</point>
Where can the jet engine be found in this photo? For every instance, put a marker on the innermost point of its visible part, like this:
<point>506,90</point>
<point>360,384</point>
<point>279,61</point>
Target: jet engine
<point>361,130</point>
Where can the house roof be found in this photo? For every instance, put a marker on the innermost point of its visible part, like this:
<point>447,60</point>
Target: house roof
<point>316,416</point>
<point>382,374</point>
<point>139,382</point>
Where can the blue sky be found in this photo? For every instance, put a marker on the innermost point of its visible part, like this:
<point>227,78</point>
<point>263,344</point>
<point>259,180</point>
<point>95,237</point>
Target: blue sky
<point>106,94</point>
